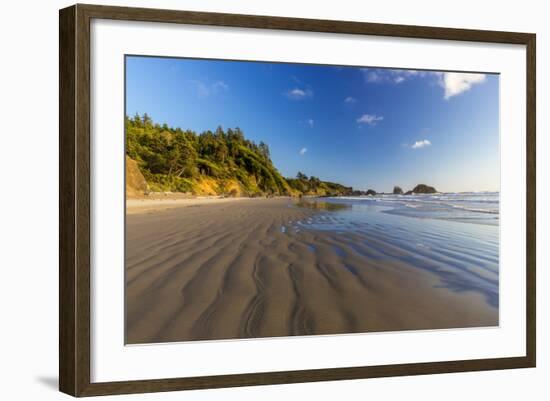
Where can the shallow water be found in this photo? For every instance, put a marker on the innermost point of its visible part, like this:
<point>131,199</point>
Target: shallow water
<point>468,207</point>
<point>455,236</point>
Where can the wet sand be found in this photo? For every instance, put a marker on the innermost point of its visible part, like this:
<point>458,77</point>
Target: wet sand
<point>234,269</point>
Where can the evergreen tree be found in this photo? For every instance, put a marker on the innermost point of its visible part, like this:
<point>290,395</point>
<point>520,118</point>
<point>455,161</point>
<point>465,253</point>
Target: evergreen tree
<point>172,159</point>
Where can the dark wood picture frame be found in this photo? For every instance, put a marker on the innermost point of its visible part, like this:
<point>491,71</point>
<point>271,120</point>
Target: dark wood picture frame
<point>74,199</point>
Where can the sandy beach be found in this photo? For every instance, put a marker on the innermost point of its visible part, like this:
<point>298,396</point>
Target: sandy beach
<point>221,269</point>
<point>148,205</point>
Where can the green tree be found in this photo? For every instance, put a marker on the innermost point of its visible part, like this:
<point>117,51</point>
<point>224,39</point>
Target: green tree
<point>172,159</point>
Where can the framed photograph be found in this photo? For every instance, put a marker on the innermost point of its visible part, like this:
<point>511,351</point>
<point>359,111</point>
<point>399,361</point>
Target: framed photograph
<point>250,200</point>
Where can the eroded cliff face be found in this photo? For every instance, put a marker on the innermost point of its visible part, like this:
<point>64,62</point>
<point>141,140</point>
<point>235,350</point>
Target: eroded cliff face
<point>136,185</point>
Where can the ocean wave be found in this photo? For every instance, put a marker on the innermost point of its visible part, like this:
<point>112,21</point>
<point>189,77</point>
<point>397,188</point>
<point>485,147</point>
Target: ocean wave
<point>446,206</point>
<point>476,210</point>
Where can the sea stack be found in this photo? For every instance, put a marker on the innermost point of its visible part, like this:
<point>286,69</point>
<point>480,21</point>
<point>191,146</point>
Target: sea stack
<point>397,190</point>
<point>424,189</point>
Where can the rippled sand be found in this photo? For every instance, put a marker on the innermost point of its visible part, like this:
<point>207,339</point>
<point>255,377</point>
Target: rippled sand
<point>256,268</point>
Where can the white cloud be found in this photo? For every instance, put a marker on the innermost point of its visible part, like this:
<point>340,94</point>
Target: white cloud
<point>350,99</point>
<point>421,144</point>
<point>220,85</point>
<point>389,75</point>
<point>310,122</point>
<point>370,119</point>
<point>303,151</point>
<point>298,93</point>
<point>205,89</point>
<point>455,83</point>
<point>202,89</point>
<point>373,76</point>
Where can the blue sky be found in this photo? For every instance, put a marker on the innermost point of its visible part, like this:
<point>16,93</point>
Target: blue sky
<point>362,127</point>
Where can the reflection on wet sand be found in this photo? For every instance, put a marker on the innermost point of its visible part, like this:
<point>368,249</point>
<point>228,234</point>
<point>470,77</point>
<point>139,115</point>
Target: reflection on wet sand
<point>316,204</point>
<point>277,267</point>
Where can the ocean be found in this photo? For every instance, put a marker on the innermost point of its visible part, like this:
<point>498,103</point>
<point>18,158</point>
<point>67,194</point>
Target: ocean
<point>468,207</point>
<point>453,235</point>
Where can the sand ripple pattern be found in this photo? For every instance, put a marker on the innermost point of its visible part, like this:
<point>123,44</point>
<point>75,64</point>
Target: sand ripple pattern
<point>266,268</point>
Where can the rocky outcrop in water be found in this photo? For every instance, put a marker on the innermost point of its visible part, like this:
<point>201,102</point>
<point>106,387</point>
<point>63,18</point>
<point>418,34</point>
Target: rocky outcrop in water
<point>422,189</point>
<point>397,190</point>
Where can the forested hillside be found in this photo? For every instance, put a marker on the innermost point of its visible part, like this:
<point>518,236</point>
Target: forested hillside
<point>212,163</point>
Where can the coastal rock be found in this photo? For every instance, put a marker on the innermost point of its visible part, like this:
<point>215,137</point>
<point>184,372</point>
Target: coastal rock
<point>397,190</point>
<point>422,189</point>
<point>371,192</point>
<point>136,185</point>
